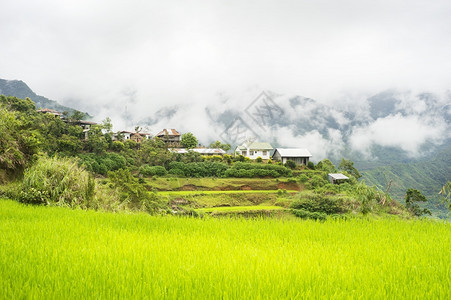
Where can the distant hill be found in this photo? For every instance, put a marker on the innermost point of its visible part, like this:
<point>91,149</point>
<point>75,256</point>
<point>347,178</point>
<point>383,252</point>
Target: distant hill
<point>428,176</point>
<point>20,89</point>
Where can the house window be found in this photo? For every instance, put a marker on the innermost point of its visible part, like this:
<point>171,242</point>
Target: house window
<point>265,152</point>
<point>251,152</point>
<point>243,152</point>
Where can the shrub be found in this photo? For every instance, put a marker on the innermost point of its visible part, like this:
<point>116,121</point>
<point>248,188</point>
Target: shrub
<point>240,169</point>
<point>303,178</point>
<point>259,159</point>
<point>117,146</point>
<point>290,164</point>
<point>318,203</point>
<point>305,214</point>
<point>57,180</point>
<point>134,194</point>
<point>147,170</point>
<point>101,164</point>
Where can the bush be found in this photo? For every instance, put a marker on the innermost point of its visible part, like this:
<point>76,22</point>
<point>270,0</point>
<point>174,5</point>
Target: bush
<point>147,170</point>
<point>259,159</point>
<point>240,169</point>
<point>303,178</point>
<point>305,214</point>
<point>198,169</point>
<point>290,164</point>
<point>322,204</point>
<point>57,180</point>
<point>101,164</point>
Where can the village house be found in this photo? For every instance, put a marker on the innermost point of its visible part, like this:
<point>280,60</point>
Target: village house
<point>169,136</point>
<point>337,178</point>
<point>299,156</point>
<point>133,136</point>
<point>253,150</point>
<point>50,111</point>
<point>86,125</point>
<point>202,151</point>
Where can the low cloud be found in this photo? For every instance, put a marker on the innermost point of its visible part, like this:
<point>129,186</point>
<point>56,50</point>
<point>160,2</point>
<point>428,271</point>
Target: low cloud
<point>408,133</point>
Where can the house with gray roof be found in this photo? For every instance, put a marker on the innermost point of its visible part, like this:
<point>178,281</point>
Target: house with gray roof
<point>254,150</point>
<point>337,178</point>
<point>299,156</point>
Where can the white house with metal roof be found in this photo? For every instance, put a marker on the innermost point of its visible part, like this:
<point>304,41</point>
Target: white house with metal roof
<point>299,156</point>
<point>253,150</point>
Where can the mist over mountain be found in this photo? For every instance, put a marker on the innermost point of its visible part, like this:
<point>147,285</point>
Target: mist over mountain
<point>391,126</point>
<point>21,90</point>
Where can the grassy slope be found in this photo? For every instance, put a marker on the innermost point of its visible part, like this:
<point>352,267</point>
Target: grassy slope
<point>426,176</point>
<point>62,253</point>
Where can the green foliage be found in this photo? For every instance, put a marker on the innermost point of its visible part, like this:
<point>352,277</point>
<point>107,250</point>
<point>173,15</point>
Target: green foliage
<point>318,181</point>
<point>147,170</point>
<point>57,181</point>
<point>259,160</point>
<point>198,169</point>
<point>445,193</point>
<point>320,204</point>
<point>311,165</point>
<point>188,140</point>
<point>96,141</point>
<point>146,257</point>
<point>134,194</point>
<point>101,164</point>
<point>413,196</point>
<point>15,104</point>
<point>428,176</point>
<point>240,169</point>
<point>290,164</point>
<point>348,166</point>
<point>18,142</point>
<point>219,145</point>
<point>367,196</point>
<point>326,166</point>
<point>305,214</point>
<point>303,178</point>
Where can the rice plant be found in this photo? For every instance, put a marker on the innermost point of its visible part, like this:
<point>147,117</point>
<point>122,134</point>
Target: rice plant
<point>58,253</point>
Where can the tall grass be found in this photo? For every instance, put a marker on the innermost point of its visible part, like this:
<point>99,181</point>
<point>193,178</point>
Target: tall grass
<point>57,180</point>
<point>52,252</point>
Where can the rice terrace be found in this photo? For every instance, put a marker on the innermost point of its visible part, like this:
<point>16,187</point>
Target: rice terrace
<point>52,252</point>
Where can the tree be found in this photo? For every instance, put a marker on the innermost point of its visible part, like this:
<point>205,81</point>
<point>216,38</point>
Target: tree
<point>188,140</point>
<point>413,196</point>
<point>18,143</point>
<point>326,165</point>
<point>445,192</point>
<point>348,166</point>
<point>219,145</point>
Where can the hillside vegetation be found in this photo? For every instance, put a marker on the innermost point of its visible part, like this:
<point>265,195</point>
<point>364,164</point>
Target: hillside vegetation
<point>427,176</point>
<point>50,160</point>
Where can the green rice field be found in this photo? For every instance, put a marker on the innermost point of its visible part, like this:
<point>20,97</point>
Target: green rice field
<point>58,253</point>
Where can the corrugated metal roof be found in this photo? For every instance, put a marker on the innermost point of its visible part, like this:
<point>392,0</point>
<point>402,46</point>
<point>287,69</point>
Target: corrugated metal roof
<point>209,151</point>
<point>260,146</point>
<point>170,132</point>
<point>338,176</point>
<point>293,152</point>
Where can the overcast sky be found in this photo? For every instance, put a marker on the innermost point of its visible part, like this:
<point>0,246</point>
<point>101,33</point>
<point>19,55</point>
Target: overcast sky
<point>167,49</point>
<point>158,53</point>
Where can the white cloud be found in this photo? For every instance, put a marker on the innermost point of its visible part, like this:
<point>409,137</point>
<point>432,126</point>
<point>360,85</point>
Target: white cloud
<point>405,132</point>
